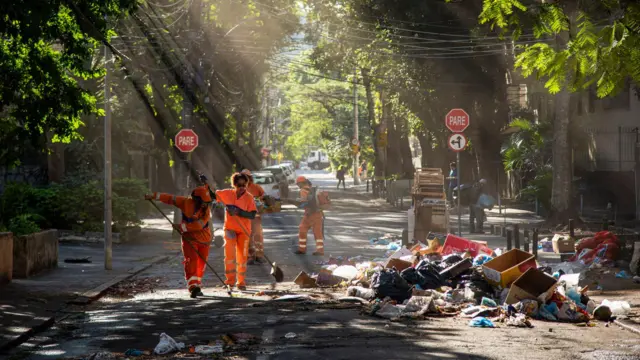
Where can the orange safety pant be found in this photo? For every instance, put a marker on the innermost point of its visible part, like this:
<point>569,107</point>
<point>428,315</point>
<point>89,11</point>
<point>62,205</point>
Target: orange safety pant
<point>193,265</point>
<point>313,221</point>
<point>236,251</point>
<point>256,247</point>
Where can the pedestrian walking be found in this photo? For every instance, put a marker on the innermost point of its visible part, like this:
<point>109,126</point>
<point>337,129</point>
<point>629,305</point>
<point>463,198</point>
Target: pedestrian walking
<point>195,229</point>
<point>363,170</point>
<point>340,176</point>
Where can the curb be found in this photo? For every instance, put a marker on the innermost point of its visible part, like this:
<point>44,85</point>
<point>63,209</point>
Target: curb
<point>83,299</point>
<point>94,294</point>
<point>628,327</point>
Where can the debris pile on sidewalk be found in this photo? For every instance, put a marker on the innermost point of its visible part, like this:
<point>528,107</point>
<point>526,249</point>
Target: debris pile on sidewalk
<point>463,277</point>
<point>129,288</point>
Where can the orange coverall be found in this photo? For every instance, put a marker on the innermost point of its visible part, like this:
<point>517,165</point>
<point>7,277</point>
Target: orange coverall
<point>312,219</point>
<point>256,245</point>
<point>194,228</point>
<point>237,231</point>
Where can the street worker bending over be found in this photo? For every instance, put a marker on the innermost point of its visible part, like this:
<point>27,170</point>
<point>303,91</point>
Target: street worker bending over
<point>241,209</point>
<point>313,218</point>
<point>256,245</point>
<point>195,229</point>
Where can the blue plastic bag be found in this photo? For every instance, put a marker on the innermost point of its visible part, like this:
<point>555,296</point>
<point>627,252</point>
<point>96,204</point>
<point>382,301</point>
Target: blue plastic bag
<point>486,201</point>
<point>481,259</point>
<point>482,322</point>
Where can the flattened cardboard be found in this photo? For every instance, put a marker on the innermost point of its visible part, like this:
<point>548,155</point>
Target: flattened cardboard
<point>532,285</point>
<point>506,268</point>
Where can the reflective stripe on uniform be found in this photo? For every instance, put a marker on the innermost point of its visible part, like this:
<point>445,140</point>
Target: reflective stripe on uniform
<point>173,199</point>
<point>183,227</point>
<point>157,196</point>
<point>193,278</point>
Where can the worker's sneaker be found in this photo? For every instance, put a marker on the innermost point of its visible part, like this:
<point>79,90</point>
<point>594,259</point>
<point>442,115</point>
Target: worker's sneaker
<point>318,253</point>
<point>242,287</point>
<point>298,252</point>
<point>258,260</point>
<point>195,292</point>
<point>251,261</point>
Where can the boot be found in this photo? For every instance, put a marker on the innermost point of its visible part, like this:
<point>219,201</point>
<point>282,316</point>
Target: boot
<point>195,292</point>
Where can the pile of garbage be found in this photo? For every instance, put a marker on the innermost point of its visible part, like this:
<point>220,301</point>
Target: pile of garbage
<point>464,277</point>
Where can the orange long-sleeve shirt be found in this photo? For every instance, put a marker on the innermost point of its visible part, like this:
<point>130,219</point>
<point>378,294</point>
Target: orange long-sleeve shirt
<point>194,224</point>
<point>244,202</point>
<point>256,190</point>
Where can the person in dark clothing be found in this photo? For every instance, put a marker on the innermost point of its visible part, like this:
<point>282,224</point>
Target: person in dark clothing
<point>340,176</point>
<point>476,212</point>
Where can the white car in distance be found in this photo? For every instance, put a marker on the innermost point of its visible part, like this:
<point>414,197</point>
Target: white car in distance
<point>268,182</point>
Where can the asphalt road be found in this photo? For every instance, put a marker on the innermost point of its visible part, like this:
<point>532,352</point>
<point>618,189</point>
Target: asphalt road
<point>291,330</point>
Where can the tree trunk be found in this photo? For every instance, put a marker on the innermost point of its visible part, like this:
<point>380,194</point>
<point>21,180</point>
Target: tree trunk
<point>371,118</point>
<point>425,146</point>
<point>405,149</point>
<point>394,167</point>
<point>561,150</point>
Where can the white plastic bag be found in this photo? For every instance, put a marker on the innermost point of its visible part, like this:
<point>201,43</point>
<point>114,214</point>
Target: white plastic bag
<point>346,271</point>
<point>617,307</point>
<point>209,349</point>
<point>167,345</point>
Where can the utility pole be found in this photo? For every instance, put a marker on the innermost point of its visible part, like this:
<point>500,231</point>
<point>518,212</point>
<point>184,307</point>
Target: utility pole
<point>356,136</point>
<point>107,164</point>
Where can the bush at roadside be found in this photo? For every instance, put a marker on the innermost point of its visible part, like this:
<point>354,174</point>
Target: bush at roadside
<point>72,206</point>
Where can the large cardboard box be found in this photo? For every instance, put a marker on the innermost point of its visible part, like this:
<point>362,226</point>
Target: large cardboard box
<point>563,244</point>
<point>533,284</point>
<point>455,244</point>
<point>506,268</point>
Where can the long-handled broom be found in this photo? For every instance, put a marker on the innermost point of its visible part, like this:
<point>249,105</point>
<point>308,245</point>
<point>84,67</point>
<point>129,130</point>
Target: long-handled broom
<point>194,249</point>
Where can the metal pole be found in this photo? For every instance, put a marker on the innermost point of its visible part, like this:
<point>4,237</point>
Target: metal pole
<point>459,183</point>
<point>107,164</point>
<point>356,155</point>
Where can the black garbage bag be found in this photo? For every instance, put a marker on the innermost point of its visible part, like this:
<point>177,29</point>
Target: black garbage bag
<point>450,260</point>
<point>426,274</point>
<point>388,282</point>
<point>476,282</point>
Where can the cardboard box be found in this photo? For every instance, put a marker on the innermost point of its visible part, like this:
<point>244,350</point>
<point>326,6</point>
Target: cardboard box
<point>534,285</point>
<point>398,264</point>
<point>455,244</point>
<point>563,244</point>
<point>506,268</point>
<point>457,268</point>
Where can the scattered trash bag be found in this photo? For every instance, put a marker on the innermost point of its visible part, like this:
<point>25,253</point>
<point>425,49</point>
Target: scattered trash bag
<point>546,269</point>
<point>549,312</point>
<point>450,260</point>
<point>623,275</point>
<point>569,311</point>
<point>519,320</point>
<point>602,313</point>
<point>387,282</point>
<point>209,349</point>
<point>425,274</point>
<point>134,352</point>
<point>481,259</point>
<point>617,307</point>
<point>167,345</point>
<point>488,302</point>
<point>527,307</point>
<point>390,311</point>
<point>482,322</point>
<point>420,305</point>
<point>361,292</point>
<point>346,271</point>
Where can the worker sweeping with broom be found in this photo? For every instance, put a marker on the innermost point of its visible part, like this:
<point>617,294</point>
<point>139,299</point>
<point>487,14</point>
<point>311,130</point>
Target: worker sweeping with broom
<point>240,211</point>
<point>195,231</point>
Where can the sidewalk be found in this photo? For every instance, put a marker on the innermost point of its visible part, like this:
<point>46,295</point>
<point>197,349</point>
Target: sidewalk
<point>31,305</point>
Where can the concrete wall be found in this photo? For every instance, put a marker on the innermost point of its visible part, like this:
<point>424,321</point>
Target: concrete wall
<point>6,257</point>
<point>34,253</point>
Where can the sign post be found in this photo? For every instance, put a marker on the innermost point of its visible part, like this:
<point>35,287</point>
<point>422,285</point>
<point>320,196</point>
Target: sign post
<point>457,120</point>
<point>186,140</point>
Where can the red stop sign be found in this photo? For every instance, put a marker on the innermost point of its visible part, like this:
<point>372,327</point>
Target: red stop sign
<point>457,120</point>
<point>186,140</point>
